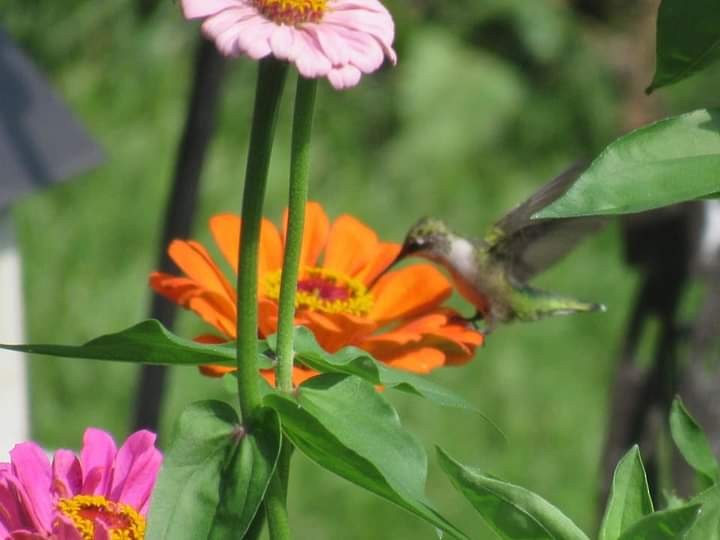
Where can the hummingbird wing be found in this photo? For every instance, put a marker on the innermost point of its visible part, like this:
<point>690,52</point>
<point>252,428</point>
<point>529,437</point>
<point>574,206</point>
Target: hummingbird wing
<point>528,246</point>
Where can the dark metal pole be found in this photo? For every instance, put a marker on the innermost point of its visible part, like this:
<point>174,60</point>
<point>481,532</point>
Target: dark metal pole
<point>660,245</point>
<point>145,8</point>
<point>199,128</point>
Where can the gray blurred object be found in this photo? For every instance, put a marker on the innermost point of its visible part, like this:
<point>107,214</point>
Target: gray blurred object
<point>40,144</point>
<point>674,250</point>
<point>40,141</point>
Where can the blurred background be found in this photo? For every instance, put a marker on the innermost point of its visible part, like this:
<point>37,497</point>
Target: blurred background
<point>490,99</point>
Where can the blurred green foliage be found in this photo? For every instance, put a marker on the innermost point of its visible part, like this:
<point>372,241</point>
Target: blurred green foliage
<point>489,99</point>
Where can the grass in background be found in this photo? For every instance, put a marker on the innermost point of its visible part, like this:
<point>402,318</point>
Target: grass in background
<point>464,128</point>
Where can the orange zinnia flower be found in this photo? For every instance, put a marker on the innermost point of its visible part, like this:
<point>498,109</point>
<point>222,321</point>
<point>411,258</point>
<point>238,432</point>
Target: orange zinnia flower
<point>397,318</point>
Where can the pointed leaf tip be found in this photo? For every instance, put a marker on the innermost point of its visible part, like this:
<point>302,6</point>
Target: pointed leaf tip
<point>511,511</point>
<point>629,499</point>
<point>692,441</point>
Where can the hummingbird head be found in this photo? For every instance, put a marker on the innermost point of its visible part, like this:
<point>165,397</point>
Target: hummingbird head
<point>428,238</point>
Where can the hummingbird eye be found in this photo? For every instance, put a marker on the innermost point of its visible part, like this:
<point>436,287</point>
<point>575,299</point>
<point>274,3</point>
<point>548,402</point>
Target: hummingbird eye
<point>413,244</point>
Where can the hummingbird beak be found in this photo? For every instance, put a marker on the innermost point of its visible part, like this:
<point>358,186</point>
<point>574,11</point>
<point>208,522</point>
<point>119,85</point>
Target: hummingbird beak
<point>404,252</point>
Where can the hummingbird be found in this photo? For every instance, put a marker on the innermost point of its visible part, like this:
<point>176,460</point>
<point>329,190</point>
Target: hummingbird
<point>493,273</point>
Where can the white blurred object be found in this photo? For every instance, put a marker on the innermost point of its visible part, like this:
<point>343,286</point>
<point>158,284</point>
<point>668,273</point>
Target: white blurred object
<point>14,412</point>
<point>710,236</point>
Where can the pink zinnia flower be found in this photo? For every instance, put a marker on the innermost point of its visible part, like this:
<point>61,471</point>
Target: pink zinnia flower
<point>337,39</point>
<point>101,495</point>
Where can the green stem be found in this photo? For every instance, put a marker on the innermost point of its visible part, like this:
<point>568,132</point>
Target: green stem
<point>271,79</point>
<point>299,175</point>
<point>276,510</point>
<point>283,466</point>
<point>257,525</point>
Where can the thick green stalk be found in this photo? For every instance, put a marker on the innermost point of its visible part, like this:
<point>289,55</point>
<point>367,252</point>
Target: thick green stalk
<point>276,510</point>
<point>299,175</point>
<point>271,79</point>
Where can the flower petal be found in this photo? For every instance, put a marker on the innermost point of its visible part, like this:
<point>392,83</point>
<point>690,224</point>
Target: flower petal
<point>215,370</point>
<point>31,467</point>
<point>96,457</point>
<point>384,255</point>
<point>64,529</point>
<point>437,330</point>
<point>282,42</point>
<point>225,230</point>
<point>136,467</point>
<point>193,9</point>
<point>344,77</point>
<point>178,289</point>
<point>408,291</point>
<point>193,259</point>
<point>271,248</point>
<point>421,361</point>
<point>215,309</point>
<point>315,233</point>
<point>255,37</point>
<point>66,474</point>
<point>299,375</point>
<point>310,59</point>
<point>267,317</point>
<point>16,512</point>
<point>334,331</point>
<point>351,245</point>
<point>218,24</point>
<point>334,48</point>
<point>100,530</point>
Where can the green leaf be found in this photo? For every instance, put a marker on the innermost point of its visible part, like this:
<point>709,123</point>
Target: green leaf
<point>707,525</point>
<point>629,497</point>
<point>147,342</point>
<point>692,442</point>
<point>673,160</point>
<point>348,428</point>
<point>354,361</point>
<point>215,475</point>
<point>688,39</point>
<point>511,511</point>
<point>667,524</point>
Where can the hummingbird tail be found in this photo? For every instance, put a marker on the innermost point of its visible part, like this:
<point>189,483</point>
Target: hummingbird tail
<point>547,304</point>
<point>568,306</point>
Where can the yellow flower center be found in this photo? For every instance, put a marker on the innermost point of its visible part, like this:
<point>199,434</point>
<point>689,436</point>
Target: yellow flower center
<point>292,12</point>
<point>324,290</point>
<point>122,520</point>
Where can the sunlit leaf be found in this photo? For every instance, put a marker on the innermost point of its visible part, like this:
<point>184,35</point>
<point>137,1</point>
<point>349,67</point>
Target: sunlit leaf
<point>707,525</point>
<point>214,475</point>
<point>511,511</point>
<point>670,161</point>
<point>688,39</point>
<point>148,342</point>
<point>691,441</point>
<point>354,361</point>
<point>667,524</point>
<point>348,428</point>
<point>629,497</point>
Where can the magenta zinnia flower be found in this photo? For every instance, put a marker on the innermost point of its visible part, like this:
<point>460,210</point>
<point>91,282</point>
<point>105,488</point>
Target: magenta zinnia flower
<point>337,39</point>
<point>101,495</point>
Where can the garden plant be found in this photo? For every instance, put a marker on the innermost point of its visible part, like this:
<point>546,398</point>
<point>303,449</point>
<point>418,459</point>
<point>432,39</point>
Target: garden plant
<point>314,321</point>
